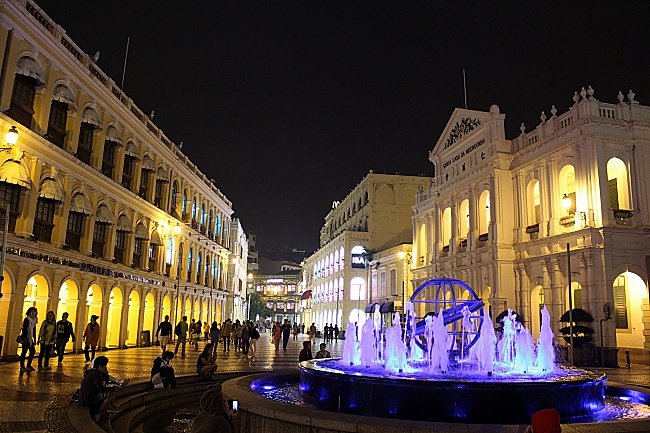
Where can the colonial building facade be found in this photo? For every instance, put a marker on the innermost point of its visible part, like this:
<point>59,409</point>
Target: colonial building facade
<point>278,284</point>
<point>106,215</point>
<point>501,214</point>
<point>237,271</point>
<point>374,217</point>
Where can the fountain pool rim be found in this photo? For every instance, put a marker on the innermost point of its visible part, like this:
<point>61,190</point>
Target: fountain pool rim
<point>573,374</point>
<point>455,399</point>
<point>271,415</point>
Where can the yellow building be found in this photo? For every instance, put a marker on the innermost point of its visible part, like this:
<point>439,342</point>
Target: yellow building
<point>375,217</point>
<point>104,209</point>
<point>501,212</point>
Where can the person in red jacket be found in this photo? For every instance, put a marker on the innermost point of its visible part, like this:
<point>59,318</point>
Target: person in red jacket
<point>91,337</point>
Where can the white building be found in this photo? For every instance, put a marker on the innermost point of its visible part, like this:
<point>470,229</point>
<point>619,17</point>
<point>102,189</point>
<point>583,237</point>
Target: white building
<point>374,217</point>
<point>500,213</point>
<point>237,271</point>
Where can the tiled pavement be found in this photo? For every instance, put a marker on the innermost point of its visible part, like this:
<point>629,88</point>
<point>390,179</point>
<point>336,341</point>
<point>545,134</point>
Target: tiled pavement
<point>38,401</point>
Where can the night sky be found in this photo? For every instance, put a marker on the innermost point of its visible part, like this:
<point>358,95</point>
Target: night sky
<point>288,106</point>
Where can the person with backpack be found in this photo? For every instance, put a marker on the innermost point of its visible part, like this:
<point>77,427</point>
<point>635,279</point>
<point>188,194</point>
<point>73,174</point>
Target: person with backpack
<point>215,336</point>
<point>63,333</point>
<point>27,339</point>
<point>226,330</point>
<point>164,370</point>
<point>165,331</point>
<point>181,335</point>
<point>255,335</point>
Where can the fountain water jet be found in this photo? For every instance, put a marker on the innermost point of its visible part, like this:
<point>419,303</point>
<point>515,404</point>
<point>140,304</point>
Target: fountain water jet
<point>458,372</point>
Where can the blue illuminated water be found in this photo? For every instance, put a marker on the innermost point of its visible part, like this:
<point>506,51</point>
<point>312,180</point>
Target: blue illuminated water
<point>617,408</point>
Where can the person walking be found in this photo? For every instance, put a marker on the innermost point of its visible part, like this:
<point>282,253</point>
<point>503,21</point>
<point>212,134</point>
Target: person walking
<point>312,333</point>
<point>245,338</point>
<point>165,331</point>
<point>226,330</point>
<point>47,339</point>
<point>336,331</point>
<point>286,333</point>
<point>215,336</point>
<point>64,332</point>
<point>236,334</point>
<point>206,331</point>
<point>255,335</point>
<point>295,331</point>
<point>91,337</point>
<point>181,335</point>
<point>277,334</point>
<point>28,339</point>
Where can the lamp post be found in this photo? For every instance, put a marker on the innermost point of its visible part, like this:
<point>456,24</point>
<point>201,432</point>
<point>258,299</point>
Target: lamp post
<point>11,138</point>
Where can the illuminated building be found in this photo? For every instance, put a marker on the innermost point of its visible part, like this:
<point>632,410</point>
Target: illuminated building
<point>500,213</point>
<point>103,207</point>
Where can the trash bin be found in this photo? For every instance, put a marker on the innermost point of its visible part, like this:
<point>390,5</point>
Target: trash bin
<point>145,338</point>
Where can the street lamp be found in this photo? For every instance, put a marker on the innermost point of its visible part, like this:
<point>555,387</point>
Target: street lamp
<point>11,138</point>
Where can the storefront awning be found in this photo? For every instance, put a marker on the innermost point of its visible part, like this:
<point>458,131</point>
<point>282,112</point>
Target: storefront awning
<point>305,295</point>
<point>141,232</point>
<point>14,172</point>
<point>112,134</point>
<point>51,189</point>
<point>132,150</point>
<point>147,163</point>
<point>370,308</point>
<point>124,224</point>
<point>155,238</point>
<point>387,307</point>
<point>104,215</point>
<point>81,204</point>
<point>162,175</point>
<point>28,67</point>
<point>63,94</point>
<point>91,116</point>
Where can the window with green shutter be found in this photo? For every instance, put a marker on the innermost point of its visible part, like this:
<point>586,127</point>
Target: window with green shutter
<point>620,303</point>
<point>613,194</point>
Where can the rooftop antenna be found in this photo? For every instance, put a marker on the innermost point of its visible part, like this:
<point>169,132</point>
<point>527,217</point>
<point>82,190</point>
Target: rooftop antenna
<point>126,55</point>
<point>464,87</point>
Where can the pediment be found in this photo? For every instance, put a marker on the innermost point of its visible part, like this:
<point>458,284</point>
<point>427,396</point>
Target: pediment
<point>462,124</point>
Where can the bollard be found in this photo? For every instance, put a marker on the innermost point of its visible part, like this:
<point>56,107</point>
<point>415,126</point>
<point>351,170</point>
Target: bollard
<point>627,359</point>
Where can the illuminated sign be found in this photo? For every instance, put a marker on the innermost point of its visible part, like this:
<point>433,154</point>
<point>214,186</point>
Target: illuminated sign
<point>358,261</point>
<point>275,280</point>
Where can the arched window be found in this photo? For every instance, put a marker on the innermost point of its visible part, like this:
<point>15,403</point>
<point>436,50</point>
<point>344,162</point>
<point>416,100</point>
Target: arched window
<point>174,198</point>
<point>29,75</point>
<point>189,264</point>
<point>357,289</point>
<point>534,203</point>
<point>203,213</point>
<point>446,228</point>
<point>365,197</point>
<point>463,218</point>
<point>567,185</point>
<point>210,223</point>
<point>214,270</point>
<point>342,257</point>
<point>217,225</point>
<point>618,188</point>
<point>184,205</point>
<point>336,261</point>
<point>199,269</point>
<point>63,100</point>
<point>484,213</point>
<point>169,255</point>
<point>194,210</point>
<point>422,244</point>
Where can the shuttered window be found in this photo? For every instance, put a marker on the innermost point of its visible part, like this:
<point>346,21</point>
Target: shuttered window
<point>613,194</point>
<point>393,282</point>
<point>577,298</point>
<point>620,304</point>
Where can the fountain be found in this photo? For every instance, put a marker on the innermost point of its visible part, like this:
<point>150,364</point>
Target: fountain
<point>445,364</point>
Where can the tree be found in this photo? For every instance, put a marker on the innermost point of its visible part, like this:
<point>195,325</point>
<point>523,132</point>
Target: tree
<point>258,306</point>
<point>581,333</point>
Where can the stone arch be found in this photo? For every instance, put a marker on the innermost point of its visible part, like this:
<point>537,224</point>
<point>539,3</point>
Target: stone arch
<point>630,295</point>
<point>149,315</point>
<point>114,318</point>
<point>133,318</point>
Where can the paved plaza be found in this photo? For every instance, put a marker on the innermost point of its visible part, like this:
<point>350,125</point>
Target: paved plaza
<point>38,401</point>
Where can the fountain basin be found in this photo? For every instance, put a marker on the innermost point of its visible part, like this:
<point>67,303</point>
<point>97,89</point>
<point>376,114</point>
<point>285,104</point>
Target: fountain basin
<point>486,400</point>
